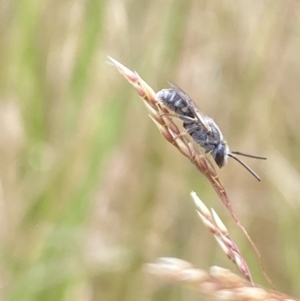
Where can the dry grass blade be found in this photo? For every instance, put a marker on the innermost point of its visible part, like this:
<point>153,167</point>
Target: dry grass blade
<point>161,117</point>
<point>217,283</point>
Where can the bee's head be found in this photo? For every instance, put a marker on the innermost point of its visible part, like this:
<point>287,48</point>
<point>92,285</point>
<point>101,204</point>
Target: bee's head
<point>220,153</point>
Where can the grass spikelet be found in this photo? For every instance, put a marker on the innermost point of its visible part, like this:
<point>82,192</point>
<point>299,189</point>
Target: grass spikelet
<point>213,223</point>
<point>217,283</point>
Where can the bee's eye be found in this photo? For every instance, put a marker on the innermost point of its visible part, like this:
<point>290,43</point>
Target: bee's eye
<point>219,154</point>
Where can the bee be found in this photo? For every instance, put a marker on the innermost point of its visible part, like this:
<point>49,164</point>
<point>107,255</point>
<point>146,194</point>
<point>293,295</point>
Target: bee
<point>201,128</point>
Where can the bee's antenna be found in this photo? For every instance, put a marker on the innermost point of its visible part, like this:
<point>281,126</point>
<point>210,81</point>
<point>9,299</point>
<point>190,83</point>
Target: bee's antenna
<point>250,156</point>
<point>244,164</point>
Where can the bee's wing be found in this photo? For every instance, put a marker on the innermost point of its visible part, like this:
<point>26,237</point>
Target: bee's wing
<point>193,106</point>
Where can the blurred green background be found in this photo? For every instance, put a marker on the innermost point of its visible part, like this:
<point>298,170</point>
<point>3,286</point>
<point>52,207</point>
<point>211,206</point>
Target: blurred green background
<point>90,191</point>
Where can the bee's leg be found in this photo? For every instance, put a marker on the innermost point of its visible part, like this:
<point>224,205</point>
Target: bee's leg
<point>208,148</point>
<point>200,160</point>
<point>182,134</point>
<point>203,163</point>
<point>190,130</point>
<point>185,132</point>
<point>182,117</point>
